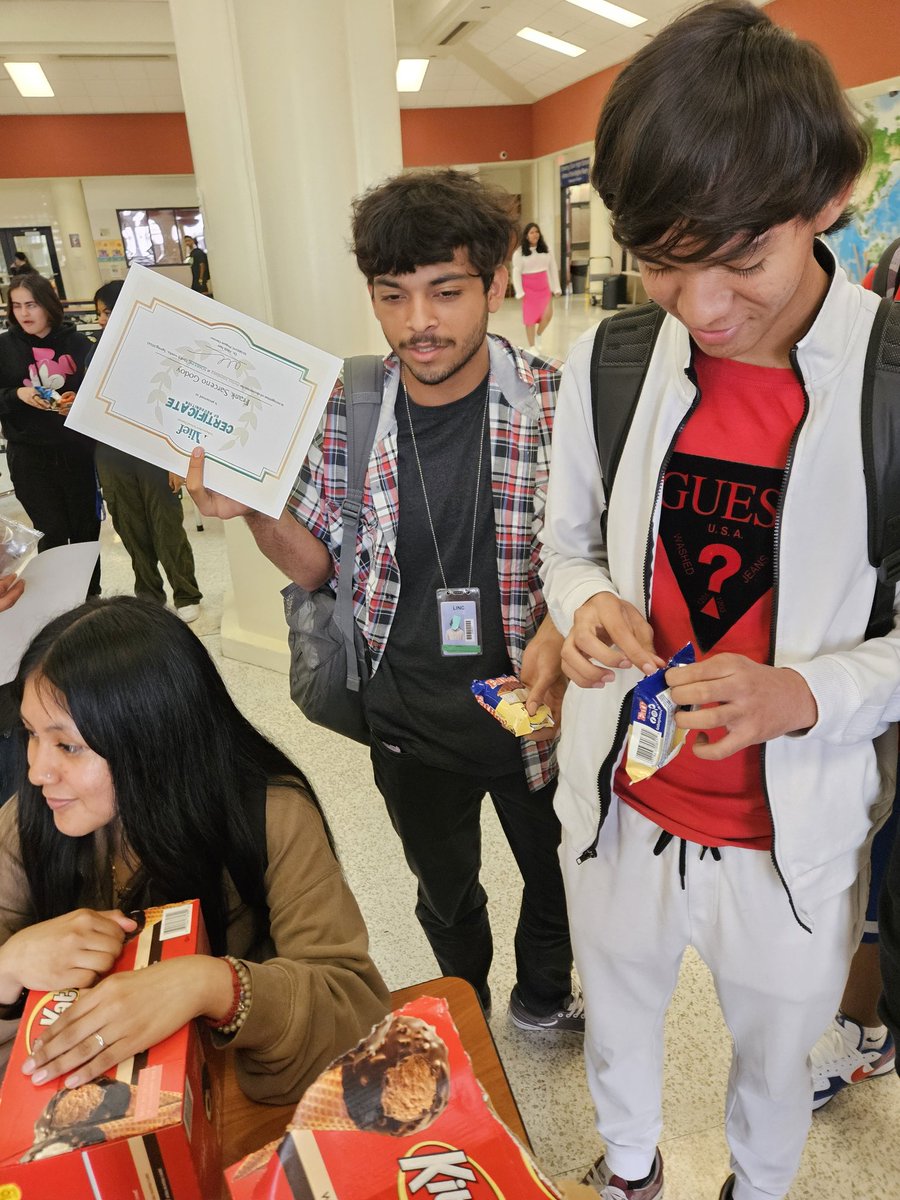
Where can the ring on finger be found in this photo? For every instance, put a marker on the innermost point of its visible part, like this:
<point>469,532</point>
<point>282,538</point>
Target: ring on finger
<point>100,1041</point>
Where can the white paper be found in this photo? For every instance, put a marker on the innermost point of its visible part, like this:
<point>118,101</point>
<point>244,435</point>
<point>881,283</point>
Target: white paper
<point>175,369</point>
<point>55,581</point>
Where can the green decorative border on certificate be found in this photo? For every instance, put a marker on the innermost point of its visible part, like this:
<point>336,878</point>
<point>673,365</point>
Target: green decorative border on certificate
<point>158,396</point>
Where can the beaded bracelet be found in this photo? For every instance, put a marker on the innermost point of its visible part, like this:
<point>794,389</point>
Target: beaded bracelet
<point>237,1014</point>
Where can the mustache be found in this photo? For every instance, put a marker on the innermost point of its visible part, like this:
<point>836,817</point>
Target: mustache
<point>427,341</point>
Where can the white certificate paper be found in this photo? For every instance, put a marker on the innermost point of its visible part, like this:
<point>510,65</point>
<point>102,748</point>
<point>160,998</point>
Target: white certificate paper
<point>175,369</point>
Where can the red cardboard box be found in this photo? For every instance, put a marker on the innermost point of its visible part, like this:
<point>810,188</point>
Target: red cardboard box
<point>401,1116</point>
<point>144,1131</point>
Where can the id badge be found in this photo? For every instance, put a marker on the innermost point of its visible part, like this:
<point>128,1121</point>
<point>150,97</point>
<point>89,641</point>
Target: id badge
<point>459,620</point>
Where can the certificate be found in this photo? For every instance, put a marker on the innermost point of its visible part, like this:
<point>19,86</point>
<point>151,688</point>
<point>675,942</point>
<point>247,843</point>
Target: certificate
<point>175,369</point>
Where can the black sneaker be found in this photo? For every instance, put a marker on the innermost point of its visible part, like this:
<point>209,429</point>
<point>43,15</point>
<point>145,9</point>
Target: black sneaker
<point>569,1019</point>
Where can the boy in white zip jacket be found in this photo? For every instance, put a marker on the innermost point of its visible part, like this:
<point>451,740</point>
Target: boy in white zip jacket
<point>737,522</point>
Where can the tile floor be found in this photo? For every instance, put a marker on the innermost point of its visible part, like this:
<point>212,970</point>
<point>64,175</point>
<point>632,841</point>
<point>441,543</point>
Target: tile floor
<point>851,1146</point>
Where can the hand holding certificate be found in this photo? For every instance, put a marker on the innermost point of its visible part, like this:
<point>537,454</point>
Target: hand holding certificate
<point>176,370</point>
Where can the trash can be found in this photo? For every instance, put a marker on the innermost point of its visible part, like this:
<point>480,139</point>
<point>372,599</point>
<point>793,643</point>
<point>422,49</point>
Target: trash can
<point>613,291</point>
<point>579,273</point>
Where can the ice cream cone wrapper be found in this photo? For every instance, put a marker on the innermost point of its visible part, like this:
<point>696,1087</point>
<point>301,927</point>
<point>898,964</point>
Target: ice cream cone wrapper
<point>127,1127</point>
<point>257,1160</point>
<point>322,1106</point>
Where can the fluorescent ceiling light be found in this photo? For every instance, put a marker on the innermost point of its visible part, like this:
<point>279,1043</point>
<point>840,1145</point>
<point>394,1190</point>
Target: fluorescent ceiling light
<point>29,78</point>
<point>612,12</point>
<point>411,73</point>
<point>551,43</point>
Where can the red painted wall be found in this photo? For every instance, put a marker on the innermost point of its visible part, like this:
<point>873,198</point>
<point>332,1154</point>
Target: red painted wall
<point>97,144</point>
<point>862,38</point>
<point>444,136</point>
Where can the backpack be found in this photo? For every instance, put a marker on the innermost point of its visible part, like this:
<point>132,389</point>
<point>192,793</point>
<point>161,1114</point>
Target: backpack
<point>623,346</point>
<point>886,280</point>
<point>329,659</point>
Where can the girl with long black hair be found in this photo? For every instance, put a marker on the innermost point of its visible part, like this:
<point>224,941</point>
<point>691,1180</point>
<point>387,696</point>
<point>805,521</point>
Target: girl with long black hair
<point>146,785</point>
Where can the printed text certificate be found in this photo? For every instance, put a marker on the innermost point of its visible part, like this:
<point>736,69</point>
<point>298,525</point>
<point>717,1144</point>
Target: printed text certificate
<point>175,369</point>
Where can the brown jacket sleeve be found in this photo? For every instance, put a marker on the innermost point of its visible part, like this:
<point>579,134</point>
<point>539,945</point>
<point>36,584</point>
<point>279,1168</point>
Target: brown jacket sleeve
<point>15,911</point>
<point>319,992</point>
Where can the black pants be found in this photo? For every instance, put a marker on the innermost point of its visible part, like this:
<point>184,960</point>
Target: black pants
<point>57,487</point>
<point>437,815</point>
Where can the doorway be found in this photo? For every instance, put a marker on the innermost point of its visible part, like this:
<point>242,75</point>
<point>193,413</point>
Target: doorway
<point>36,243</point>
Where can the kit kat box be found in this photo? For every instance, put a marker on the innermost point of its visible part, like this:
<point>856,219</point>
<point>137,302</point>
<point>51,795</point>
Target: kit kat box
<point>401,1116</point>
<point>142,1131</point>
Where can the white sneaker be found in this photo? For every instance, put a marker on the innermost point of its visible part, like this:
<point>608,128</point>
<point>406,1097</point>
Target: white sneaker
<point>848,1053</point>
<point>189,612</point>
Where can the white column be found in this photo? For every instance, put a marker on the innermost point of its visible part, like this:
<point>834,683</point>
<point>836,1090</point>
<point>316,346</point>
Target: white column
<point>77,264</point>
<point>292,111</point>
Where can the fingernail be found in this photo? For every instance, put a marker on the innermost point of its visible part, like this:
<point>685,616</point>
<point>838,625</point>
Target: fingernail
<point>196,452</point>
<point>72,1082</point>
<point>39,1076</point>
<point>28,1066</point>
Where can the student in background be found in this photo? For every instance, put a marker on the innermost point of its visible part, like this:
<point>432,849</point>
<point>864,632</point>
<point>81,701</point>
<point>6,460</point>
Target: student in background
<point>145,506</point>
<point>51,467</point>
<point>536,282</point>
<point>199,260</point>
<point>21,265</point>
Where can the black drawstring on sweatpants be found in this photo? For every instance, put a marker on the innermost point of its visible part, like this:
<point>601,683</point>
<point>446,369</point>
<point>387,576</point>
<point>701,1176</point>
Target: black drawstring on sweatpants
<point>663,840</point>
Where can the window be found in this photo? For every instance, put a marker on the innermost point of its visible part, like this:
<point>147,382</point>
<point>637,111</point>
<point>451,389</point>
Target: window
<point>156,235</point>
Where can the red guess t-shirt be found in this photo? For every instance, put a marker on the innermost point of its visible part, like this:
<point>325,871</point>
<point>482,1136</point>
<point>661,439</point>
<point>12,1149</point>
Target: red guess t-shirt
<point>712,582</point>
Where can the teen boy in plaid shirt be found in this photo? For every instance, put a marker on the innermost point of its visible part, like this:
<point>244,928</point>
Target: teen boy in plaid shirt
<point>464,437</point>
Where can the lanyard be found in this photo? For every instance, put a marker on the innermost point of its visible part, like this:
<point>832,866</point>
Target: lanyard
<point>477,482</point>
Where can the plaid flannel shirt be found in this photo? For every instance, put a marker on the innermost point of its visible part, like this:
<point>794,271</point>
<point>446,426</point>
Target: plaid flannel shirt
<point>521,407</point>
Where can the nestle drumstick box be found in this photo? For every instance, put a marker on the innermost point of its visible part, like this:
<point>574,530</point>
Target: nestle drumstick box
<point>143,1131</point>
<point>401,1116</point>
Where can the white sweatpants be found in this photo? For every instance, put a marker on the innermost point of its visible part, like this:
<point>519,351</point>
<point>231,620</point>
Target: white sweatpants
<point>778,987</point>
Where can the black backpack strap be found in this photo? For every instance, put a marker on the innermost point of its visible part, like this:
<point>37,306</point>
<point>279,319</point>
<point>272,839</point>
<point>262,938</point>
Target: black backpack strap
<point>363,386</point>
<point>880,420</point>
<point>886,280</point>
<point>623,346</point>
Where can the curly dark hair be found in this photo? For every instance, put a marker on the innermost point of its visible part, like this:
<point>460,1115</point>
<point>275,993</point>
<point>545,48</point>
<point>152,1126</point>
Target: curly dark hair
<point>424,217</point>
<point>755,134</point>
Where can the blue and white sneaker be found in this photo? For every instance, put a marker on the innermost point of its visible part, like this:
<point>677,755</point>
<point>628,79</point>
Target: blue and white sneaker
<point>848,1053</point>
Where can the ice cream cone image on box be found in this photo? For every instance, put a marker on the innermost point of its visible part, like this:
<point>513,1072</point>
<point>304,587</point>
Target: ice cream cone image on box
<point>396,1081</point>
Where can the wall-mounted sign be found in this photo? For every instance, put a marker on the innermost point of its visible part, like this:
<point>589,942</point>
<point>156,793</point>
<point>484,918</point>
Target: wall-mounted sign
<point>578,171</point>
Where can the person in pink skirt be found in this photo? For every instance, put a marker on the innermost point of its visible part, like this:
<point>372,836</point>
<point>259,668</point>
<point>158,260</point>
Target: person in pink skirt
<point>536,280</point>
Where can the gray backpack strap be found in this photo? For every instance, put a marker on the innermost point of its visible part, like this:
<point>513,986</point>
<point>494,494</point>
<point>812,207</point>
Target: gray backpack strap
<point>363,385</point>
<point>886,280</point>
<point>623,346</point>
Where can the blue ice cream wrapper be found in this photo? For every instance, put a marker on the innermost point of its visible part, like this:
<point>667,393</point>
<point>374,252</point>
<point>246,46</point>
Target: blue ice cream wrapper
<point>653,738</point>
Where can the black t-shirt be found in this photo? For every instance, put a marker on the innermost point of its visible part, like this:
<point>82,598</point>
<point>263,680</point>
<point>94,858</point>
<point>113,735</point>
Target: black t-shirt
<point>419,699</point>
<point>198,256</point>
